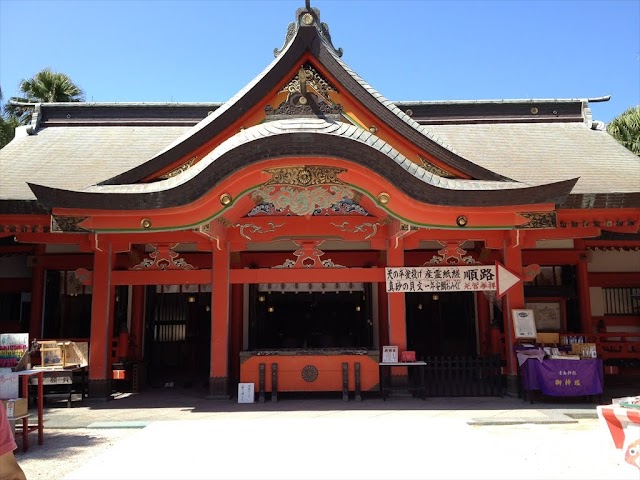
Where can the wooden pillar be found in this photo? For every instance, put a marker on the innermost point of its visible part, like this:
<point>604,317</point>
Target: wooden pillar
<point>397,316</point>
<point>219,369</point>
<point>37,297</point>
<point>584,295</point>
<point>512,257</point>
<point>137,321</point>
<point>101,331</point>
<point>484,335</point>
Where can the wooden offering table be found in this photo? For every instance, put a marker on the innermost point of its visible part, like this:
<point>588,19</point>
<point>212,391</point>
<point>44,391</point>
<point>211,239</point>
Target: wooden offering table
<point>310,370</point>
<point>64,382</point>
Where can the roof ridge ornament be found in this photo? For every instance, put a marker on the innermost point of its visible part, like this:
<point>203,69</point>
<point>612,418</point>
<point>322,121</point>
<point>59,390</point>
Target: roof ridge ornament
<point>308,17</point>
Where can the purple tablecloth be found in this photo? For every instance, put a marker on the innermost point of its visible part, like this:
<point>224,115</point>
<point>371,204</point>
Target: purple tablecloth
<point>564,377</point>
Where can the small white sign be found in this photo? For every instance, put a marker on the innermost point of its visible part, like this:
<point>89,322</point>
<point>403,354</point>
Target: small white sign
<point>524,324</point>
<point>389,354</point>
<point>246,393</point>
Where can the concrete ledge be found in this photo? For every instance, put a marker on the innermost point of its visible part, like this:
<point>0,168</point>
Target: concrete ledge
<point>129,424</point>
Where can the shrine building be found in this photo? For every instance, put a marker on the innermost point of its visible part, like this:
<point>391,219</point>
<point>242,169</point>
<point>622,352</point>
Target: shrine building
<point>287,235</point>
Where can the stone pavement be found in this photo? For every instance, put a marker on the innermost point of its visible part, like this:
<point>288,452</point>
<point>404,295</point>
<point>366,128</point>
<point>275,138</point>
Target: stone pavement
<point>179,433</point>
<point>136,410</point>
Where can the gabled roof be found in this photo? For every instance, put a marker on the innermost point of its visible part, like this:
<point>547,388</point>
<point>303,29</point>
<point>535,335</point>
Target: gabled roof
<point>309,36</point>
<point>311,137</point>
<point>78,146</point>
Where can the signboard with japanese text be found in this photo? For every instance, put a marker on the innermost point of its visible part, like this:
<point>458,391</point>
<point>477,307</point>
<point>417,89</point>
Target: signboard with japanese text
<point>441,279</point>
<point>524,323</point>
<point>246,393</point>
<point>389,354</point>
<point>453,278</point>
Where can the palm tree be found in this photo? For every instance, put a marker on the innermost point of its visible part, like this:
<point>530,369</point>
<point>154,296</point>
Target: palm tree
<point>46,86</point>
<point>8,124</point>
<point>625,128</point>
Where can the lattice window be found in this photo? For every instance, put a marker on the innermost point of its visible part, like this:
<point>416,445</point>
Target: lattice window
<point>622,301</point>
<point>549,276</point>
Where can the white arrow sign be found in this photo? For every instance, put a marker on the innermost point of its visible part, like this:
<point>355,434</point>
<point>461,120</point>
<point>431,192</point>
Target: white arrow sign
<point>505,279</point>
<point>450,278</point>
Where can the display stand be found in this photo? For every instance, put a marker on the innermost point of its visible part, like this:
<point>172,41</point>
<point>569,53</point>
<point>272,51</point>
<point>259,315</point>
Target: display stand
<point>24,419</point>
<point>38,376</point>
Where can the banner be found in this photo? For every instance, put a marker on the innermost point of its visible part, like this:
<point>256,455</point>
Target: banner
<point>441,279</point>
<point>569,377</point>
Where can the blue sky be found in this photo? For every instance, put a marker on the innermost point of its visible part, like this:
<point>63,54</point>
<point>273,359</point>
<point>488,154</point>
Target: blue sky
<point>207,50</point>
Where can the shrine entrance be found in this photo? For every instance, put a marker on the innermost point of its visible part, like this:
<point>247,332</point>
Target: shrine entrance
<point>178,332</point>
<point>310,316</point>
<point>441,323</point>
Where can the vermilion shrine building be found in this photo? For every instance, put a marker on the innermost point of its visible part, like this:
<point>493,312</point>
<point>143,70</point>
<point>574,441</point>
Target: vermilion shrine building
<point>202,240</point>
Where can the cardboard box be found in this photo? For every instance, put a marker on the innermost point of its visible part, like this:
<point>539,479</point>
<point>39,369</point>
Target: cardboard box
<point>16,407</point>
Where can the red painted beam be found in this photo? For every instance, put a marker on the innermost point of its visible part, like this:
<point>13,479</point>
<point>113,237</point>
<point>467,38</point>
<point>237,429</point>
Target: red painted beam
<point>312,275</point>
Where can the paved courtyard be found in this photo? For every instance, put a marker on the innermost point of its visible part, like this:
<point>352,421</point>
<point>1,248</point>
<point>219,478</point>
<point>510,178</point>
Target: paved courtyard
<point>190,438</point>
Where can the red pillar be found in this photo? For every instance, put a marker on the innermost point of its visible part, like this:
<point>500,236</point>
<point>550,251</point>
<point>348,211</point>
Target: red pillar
<point>101,331</point>
<point>512,256</point>
<point>584,295</point>
<point>137,321</point>
<point>219,369</point>
<point>37,297</point>
<point>397,315</point>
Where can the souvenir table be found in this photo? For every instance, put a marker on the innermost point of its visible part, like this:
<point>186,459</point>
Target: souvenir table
<point>559,377</point>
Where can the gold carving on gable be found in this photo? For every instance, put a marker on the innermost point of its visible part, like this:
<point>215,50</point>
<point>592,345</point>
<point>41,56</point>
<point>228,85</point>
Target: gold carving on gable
<point>177,171</point>
<point>310,79</point>
<point>539,220</point>
<point>304,176</point>
<point>302,201</point>
<point>431,168</point>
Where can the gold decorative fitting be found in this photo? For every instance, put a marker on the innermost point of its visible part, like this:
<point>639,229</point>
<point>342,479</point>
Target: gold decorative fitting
<point>373,129</point>
<point>462,221</point>
<point>225,199</point>
<point>302,100</point>
<point>534,110</point>
<point>307,19</point>
<point>384,198</point>
<point>145,223</point>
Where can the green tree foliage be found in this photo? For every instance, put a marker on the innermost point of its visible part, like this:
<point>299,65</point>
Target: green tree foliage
<point>8,124</point>
<point>625,128</point>
<point>46,86</point>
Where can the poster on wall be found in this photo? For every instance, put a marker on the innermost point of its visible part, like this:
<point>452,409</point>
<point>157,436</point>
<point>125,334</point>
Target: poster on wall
<point>12,348</point>
<point>548,315</point>
<point>524,324</point>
